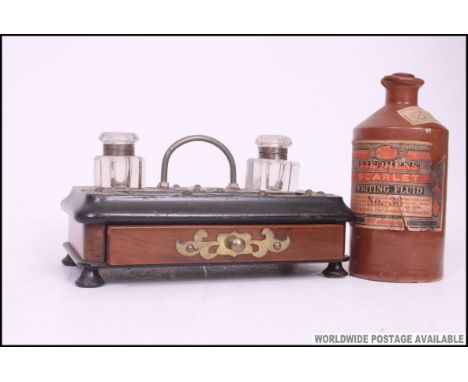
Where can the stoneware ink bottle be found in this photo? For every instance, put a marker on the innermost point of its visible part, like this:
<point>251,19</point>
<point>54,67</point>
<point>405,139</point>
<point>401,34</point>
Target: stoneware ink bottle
<point>399,188</point>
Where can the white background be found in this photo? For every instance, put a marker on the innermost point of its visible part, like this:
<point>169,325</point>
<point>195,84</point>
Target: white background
<point>61,92</point>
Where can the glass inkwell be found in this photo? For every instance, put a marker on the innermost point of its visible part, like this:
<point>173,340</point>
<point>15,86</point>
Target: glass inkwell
<point>118,167</point>
<point>272,171</point>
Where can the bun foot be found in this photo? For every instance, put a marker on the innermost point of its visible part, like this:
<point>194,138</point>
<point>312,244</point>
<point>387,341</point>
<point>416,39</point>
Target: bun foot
<point>68,261</point>
<point>89,278</point>
<point>334,270</point>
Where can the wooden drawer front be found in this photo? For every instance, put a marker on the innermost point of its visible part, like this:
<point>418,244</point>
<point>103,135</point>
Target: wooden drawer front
<point>128,245</point>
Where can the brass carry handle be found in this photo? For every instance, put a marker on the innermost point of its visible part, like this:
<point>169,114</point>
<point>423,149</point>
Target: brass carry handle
<point>192,138</point>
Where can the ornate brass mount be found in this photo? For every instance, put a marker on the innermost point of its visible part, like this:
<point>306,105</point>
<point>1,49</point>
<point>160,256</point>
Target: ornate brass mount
<point>232,244</point>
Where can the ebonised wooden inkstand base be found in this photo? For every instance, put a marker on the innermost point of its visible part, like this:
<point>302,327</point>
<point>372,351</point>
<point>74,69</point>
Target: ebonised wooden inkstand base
<point>155,227</point>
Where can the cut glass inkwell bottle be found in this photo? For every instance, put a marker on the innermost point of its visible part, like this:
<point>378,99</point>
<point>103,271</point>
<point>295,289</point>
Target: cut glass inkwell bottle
<point>272,171</point>
<point>118,167</point>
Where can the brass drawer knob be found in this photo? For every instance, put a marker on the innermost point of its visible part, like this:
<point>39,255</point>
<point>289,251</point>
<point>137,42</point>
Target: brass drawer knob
<point>277,245</point>
<point>232,244</point>
<point>237,244</point>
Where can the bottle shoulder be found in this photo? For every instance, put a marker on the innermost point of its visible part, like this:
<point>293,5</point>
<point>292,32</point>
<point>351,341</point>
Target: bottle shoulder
<point>401,116</point>
<point>119,158</point>
<point>272,161</point>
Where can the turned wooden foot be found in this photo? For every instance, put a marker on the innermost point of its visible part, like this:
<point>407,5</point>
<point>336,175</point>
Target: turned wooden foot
<point>68,261</point>
<point>89,278</point>
<point>334,269</point>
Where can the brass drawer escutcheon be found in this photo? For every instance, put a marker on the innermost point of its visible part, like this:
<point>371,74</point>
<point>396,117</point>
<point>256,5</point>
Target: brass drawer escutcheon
<point>232,244</point>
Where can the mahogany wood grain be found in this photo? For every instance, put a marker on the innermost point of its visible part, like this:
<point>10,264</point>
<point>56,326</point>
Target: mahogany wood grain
<point>138,245</point>
<point>88,240</point>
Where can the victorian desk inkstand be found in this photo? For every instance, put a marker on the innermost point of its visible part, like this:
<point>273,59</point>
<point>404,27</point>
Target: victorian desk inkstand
<point>121,223</point>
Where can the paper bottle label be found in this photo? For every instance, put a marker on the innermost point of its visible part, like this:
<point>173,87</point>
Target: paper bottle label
<point>395,187</point>
<point>417,116</point>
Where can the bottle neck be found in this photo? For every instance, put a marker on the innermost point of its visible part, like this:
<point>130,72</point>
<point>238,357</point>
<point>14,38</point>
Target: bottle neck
<point>402,95</point>
<point>402,88</point>
<point>119,149</point>
<point>273,153</point>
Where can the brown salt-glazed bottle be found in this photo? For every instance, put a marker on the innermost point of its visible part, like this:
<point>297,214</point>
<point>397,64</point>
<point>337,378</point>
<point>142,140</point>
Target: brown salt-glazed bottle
<point>399,187</point>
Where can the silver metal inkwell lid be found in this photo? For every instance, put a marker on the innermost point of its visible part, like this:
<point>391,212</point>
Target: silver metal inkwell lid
<point>118,144</point>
